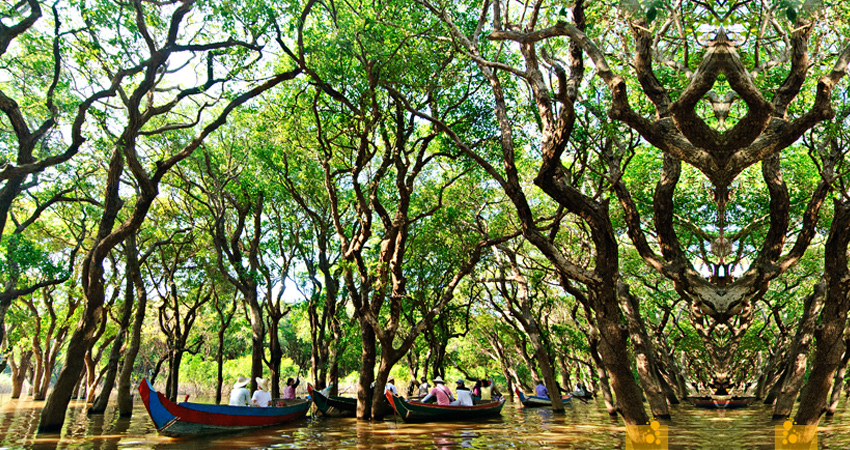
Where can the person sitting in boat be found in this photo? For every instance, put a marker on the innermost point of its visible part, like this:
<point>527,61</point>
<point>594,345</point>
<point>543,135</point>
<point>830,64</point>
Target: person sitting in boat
<point>487,386</point>
<point>289,390</point>
<point>390,386</point>
<point>423,387</point>
<point>262,397</point>
<point>541,390</point>
<point>580,391</point>
<point>440,392</point>
<point>464,395</point>
<point>240,395</point>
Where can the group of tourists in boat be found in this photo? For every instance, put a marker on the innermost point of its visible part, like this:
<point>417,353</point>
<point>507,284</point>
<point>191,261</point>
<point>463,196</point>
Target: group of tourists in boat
<point>432,403</point>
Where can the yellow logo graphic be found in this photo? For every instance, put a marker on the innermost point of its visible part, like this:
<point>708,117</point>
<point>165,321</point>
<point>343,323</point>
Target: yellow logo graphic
<point>790,436</point>
<point>652,436</point>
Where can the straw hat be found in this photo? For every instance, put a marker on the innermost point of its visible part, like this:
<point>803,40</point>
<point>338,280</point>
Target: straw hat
<point>263,383</point>
<point>439,380</point>
<point>390,379</point>
<point>241,382</point>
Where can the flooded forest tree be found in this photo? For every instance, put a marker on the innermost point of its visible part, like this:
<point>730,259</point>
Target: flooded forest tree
<point>651,202</point>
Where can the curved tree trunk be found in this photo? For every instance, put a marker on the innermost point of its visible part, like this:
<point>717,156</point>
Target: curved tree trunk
<point>797,357</point>
<point>275,355</point>
<point>644,355</point>
<point>102,399</point>
<point>614,352</point>
<point>125,397</point>
<point>830,330</point>
<point>19,372</point>
<point>838,383</point>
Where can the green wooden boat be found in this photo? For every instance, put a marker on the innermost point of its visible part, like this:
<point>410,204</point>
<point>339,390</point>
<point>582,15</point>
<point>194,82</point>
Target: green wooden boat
<point>411,411</point>
<point>333,406</point>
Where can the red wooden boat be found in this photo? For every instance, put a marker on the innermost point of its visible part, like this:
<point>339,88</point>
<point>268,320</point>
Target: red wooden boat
<point>192,419</point>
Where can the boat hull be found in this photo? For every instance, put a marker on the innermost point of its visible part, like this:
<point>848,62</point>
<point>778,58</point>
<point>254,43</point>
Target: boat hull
<point>333,406</point>
<point>192,419</point>
<point>721,403</point>
<point>426,412</point>
<point>536,402</point>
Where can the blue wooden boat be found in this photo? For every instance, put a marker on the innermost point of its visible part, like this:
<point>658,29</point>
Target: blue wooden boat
<point>192,419</point>
<point>535,401</point>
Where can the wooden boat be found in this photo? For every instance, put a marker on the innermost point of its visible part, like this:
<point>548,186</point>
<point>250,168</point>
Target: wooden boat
<point>535,401</point>
<point>587,395</point>
<point>333,406</point>
<point>721,402</point>
<point>192,419</point>
<point>411,411</point>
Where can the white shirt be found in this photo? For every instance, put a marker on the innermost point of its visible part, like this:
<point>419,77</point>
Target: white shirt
<point>464,398</point>
<point>262,398</point>
<point>390,388</point>
<point>240,397</point>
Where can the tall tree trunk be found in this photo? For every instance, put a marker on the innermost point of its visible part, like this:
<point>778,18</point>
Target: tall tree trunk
<point>125,397</point>
<point>602,373</point>
<point>53,413</point>
<point>219,361</point>
<point>644,354</point>
<point>829,333</point>
<point>566,382</point>
<point>837,384</point>
<point>367,371</point>
<point>257,337</point>
<point>174,372</point>
<point>275,356</point>
<point>91,376</point>
<point>19,372</point>
<point>613,350</point>
<point>774,389</point>
<point>102,399</point>
<point>798,354</point>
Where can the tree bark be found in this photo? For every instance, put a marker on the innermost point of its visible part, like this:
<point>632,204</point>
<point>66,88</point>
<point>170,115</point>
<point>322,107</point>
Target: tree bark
<point>367,371</point>
<point>798,354</point>
<point>644,355</point>
<point>102,399</point>
<point>830,330</point>
<point>838,382</point>
<point>19,371</point>
<point>125,397</point>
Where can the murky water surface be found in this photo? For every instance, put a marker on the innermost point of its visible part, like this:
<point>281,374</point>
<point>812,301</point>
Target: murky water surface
<point>583,426</point>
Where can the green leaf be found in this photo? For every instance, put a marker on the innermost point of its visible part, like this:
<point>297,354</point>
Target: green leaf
<point>651,14</point>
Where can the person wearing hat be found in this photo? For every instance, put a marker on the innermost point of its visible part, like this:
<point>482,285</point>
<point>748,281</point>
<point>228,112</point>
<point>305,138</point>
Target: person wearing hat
<point>441,392</point>
<point>262,397</point>
<point>390,387</point>
<point>240,395</point>
<point>464,395</point>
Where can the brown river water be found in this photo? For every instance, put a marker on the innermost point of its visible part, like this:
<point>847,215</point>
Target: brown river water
<point>583,426</point>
